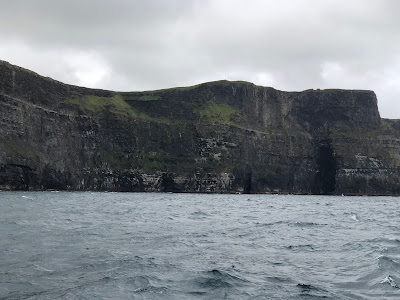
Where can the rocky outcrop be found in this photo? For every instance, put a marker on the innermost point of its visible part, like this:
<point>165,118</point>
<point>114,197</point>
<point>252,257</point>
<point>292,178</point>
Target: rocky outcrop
<point>222,137</point>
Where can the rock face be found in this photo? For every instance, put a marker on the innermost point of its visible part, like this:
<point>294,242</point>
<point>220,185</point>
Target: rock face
<point>223,137</point>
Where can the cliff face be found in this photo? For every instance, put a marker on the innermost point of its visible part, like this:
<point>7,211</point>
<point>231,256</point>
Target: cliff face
<point>214,137</point>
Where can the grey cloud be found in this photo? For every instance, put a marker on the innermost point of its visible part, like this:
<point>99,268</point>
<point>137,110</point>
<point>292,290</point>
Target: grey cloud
<point>156,44</point>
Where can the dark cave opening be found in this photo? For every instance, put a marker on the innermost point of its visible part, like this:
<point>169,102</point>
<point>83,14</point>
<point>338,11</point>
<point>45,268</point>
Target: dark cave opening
<point>247,184</point>
<point>325,180</point>
<point>168,183</point>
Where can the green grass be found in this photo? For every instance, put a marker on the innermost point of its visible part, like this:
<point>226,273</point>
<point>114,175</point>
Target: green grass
<point>152,95</point>
<point>217,113</point>
<point>114,159</point>
<point>138,96</point>
<point>149,98</point>
<point>116,105</point>
<point>384,129</point>
<point>153,161</point>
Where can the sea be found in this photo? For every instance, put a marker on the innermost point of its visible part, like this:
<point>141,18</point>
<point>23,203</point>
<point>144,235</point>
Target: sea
<point>96,245</point>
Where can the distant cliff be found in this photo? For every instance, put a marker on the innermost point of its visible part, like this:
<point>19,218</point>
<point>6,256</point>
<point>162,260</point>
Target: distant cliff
<point>222,137</point>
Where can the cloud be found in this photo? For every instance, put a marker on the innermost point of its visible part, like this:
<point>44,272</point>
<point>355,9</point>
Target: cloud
<point>139,45</point>
<point>88,68</point>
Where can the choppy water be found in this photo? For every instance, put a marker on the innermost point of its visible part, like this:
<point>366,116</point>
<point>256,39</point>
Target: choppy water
<point>193,246</point>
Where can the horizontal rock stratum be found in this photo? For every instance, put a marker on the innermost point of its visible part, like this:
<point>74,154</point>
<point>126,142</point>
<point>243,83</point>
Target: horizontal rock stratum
<point>223,137</point>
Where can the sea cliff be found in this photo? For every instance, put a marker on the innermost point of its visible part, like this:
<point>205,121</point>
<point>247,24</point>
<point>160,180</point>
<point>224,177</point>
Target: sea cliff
<point>223,137</point>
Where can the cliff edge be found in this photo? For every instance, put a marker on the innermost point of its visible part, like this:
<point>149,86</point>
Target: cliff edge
<point>222,136</point>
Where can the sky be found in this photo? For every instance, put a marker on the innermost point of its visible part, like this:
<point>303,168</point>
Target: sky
<point>132,45</point>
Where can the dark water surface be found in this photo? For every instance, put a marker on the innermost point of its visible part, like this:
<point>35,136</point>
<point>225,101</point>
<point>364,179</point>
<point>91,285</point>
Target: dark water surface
<point>192,246</point>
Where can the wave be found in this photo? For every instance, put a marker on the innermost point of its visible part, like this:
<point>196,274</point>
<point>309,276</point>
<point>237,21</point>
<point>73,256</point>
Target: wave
<point>386,262</point>
<point>216,284</point>
<point>279,280</point>
<point>389,280</point>
<point>199,215</point>
<point>300,247</point>
<point>148,287</point>
<point>42,269</point>
<point>270,224</point>
<point>380,240</point>
<point>215,278</point>
<point>309,287</point>
<point>152,289</point>
<point>298,224</point>
<point>353,216</point>
<point>314,292</point>
<point>9,222</point>
<point>307,224</point>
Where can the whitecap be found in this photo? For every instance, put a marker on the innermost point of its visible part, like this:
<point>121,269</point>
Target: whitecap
<point>388,279</point>
<point>354,217</point>
<point>40,268</point>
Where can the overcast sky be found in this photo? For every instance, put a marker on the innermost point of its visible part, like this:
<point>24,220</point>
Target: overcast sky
<point>131,45</point>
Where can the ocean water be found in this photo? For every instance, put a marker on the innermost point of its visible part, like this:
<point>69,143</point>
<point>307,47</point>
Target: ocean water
<point>82,245</point>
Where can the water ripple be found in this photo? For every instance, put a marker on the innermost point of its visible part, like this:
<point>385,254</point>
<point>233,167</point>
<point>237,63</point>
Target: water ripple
<point>188,246</point>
